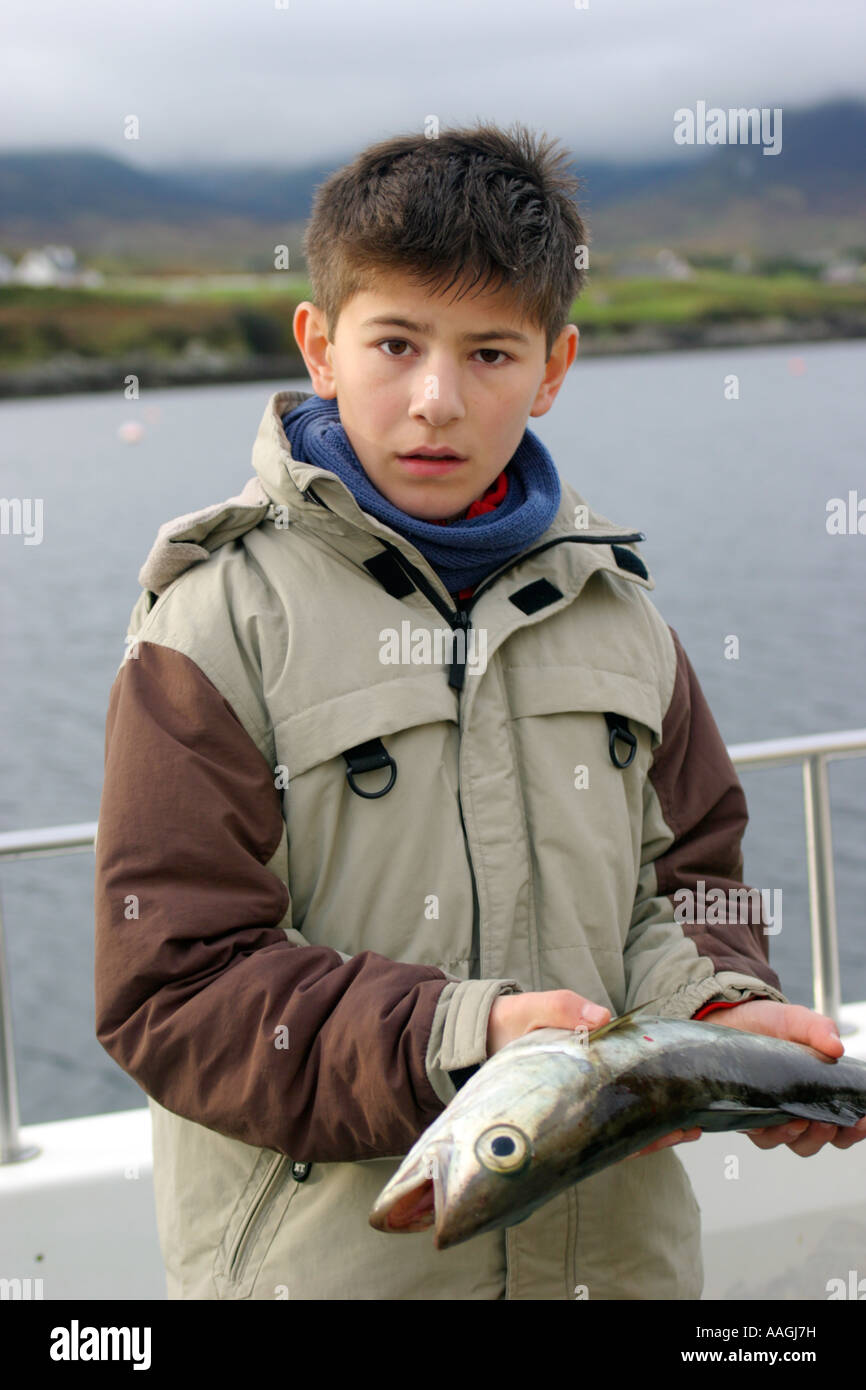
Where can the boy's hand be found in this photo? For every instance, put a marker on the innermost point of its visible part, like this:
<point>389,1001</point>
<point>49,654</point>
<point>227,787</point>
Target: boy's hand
<point>792,1023</point>
<point>512,1015</point>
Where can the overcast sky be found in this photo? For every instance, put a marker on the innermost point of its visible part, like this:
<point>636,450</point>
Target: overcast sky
<point>293,81</point>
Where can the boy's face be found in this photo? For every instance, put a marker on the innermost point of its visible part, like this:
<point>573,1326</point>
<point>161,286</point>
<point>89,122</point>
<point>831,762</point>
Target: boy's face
<point>432,372</point>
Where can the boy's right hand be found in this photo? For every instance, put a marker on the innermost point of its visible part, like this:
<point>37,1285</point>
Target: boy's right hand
<point>512,1015</point>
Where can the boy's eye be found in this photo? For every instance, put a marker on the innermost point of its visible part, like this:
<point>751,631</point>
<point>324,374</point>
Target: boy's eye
<point>401,342</point>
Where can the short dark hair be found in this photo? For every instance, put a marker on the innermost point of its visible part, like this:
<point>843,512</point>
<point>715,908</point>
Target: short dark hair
<point>476,203</point>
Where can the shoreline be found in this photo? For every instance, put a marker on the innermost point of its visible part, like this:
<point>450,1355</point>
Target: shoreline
<point>69,374</point>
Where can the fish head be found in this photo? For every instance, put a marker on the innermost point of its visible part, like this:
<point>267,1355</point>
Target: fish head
<point>488,1159</point>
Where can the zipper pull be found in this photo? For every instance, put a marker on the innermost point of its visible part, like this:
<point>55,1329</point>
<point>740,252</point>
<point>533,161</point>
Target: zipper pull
<point>461,622</point>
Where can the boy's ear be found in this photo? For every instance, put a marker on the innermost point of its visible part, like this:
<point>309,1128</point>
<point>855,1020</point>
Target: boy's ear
<point>311,335</point>
<point>562,354</point>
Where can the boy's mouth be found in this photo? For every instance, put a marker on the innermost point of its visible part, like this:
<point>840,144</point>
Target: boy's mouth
<point>431,461</point>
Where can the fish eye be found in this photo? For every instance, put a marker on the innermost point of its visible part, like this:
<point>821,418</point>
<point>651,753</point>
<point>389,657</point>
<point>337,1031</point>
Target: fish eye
<point>503,1149</point>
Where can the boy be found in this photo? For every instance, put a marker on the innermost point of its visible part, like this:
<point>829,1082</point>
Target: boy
<point>336,869</point>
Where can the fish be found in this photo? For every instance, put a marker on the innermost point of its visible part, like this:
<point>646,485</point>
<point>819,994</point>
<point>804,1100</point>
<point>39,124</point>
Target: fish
<point>557,1105</point>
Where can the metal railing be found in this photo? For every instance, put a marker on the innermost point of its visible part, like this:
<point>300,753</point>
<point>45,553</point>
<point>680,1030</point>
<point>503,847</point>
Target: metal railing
<point>26,844</point>
<point>812,752</point>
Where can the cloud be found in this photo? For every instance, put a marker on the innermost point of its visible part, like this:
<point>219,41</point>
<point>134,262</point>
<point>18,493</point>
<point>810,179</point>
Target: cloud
<point>226,81</point>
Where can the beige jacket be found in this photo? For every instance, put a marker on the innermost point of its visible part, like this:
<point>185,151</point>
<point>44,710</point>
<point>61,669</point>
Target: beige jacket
<point>298,971</point>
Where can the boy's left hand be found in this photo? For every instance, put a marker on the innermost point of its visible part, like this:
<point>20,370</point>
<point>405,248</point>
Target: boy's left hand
<point>793,1023</point>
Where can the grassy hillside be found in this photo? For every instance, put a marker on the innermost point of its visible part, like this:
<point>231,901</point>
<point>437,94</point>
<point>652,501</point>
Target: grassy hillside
<point>163,319</point>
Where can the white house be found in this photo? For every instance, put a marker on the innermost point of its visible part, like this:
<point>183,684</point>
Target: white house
<point>53,265</point>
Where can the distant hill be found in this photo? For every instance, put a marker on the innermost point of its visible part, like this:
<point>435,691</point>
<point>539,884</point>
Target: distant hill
<point>725,198</point>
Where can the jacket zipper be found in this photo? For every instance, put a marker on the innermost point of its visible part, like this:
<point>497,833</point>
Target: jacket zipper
<point>245,1240</point>
<point>460,618</point>
<point>475,957</point>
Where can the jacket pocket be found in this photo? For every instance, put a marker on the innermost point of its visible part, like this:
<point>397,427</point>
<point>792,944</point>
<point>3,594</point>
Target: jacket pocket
<point>583,689</point>
<point>255,1220</point>
<point>348,889</point>
<point>313,737</point>
<point>583,790</point>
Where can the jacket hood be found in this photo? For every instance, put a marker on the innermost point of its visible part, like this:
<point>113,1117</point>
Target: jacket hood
<point>284,482</point>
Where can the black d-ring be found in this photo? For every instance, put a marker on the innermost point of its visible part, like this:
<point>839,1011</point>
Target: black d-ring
<point>364,757</point>
<point>618,726</point>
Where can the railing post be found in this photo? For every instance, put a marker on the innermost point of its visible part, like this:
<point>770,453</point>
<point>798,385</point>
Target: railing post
<point>11,1148</point>
<point>822,893</point>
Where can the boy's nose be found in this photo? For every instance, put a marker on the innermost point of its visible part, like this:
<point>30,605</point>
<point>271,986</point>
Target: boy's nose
<point>437,396</point>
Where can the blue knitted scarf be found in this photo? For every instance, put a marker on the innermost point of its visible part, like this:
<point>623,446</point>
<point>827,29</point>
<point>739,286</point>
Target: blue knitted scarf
<point>464,551</point>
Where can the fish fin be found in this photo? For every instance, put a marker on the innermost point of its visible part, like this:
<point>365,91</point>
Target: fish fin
<point>832,1111</point>
<point>721,1116</point>
<point>622,1019</point>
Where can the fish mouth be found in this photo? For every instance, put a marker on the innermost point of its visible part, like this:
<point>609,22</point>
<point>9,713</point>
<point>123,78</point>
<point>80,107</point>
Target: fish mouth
<point>412,1210</point>
<point>416,1201</point>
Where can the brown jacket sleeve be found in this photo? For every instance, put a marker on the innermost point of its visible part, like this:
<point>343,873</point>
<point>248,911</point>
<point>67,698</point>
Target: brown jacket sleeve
<point>193,975</point>
<point>705,806</point>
